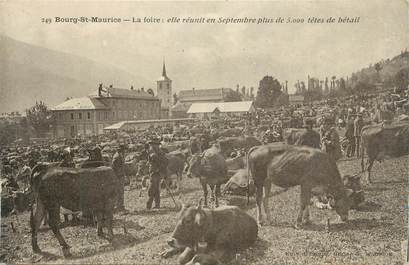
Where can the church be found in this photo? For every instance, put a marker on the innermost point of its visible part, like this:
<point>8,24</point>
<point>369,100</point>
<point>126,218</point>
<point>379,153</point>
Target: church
<point>89,115</point>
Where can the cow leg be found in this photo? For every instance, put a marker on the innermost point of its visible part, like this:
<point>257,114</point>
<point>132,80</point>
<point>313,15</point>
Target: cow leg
<point>204,187</point>
<point>110,221</point>
<point>54,215</point>
<point>35,223</point>
<point>368,170</point>
<point>266,195</point>
<point>217,194</point>
<point>259,202</point>
<point>179,181</point>
<point>100,222</point>
<point>305,198</point>
<point>186,256</point>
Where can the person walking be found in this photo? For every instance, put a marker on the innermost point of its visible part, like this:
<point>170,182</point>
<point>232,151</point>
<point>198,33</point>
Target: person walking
<point>157,170</point>
<point>358,125</point>
<point>118,164</point>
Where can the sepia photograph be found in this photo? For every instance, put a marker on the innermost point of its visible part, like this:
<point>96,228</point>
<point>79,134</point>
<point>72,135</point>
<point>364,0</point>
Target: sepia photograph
<point>204,132</point>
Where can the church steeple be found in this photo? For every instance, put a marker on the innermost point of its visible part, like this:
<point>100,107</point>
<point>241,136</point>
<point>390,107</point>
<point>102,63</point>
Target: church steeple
<point>164,69</point>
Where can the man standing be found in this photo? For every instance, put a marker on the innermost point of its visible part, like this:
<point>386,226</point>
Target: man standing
<point>330,140</point>
<point>349,134</point>
<point>157,169</point>
<point>358,125</point>
<point>309,137</point>
<point>118,163</point>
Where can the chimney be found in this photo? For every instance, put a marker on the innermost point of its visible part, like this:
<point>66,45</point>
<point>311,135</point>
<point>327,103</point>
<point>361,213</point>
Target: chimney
<point>110,86</point>
<point>142,89</point>
<point>193,89</point>
<point>131,87</point>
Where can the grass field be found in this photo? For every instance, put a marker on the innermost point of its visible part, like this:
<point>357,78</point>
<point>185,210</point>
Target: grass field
<point>374,235</point>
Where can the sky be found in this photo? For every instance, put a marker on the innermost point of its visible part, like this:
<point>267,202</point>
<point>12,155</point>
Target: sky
<point>218,55</point>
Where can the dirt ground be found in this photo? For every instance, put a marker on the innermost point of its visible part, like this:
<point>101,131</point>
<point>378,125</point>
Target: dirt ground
<point>374,234</point>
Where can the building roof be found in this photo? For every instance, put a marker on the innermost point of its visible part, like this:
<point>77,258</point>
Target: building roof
<point>122,93</point>
<point>225,107</point>
<point>120,125</point>
<point>204,94</point>
<point>83,103</point>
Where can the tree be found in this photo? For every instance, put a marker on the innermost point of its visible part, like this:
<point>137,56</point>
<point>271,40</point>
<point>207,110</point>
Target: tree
<point>232,96</point>
<point>401,79</point>
<point>378,68</point>
<point>268,92</point>
<point>40,118</point>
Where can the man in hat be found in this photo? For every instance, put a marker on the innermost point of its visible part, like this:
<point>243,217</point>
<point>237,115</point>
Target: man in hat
<point>309,137</point>
<point>358,125</point>
<point>349,134</point>
<point>330,140</point>
<point>157,168</point>
<point>118,163</point>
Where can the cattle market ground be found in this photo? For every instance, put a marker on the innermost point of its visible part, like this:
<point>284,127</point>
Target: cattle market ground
<point>374,234</point>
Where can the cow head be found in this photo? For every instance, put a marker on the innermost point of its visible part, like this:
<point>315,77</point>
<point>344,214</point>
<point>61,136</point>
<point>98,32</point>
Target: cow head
<point>37,172</point>
<point>194,166</point>
<point>189,228</point>
<point>343,204</point>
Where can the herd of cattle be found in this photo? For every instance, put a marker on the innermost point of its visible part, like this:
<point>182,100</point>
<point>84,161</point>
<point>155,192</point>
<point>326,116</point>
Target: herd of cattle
<point>206,235</point>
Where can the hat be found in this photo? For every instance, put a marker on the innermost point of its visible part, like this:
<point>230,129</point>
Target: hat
<point>154,141</point>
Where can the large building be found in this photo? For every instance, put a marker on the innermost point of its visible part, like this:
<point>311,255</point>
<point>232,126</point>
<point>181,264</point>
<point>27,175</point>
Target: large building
<point>218,109</point>
<point>204,95</point>
<point>164,91</point>
<point>90,115</point>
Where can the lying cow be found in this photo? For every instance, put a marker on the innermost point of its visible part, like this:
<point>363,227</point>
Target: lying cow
<point>88,189</point>
<point>288,166</point>
<point>211,235</point>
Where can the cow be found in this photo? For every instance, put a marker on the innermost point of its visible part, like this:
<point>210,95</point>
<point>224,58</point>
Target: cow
<point>288,166</point>
<point>237,184</point>
<point>211,235</point>
<point>211,169</point>
<point>227,145</point>
<point>380,140</point>
<point>89,189</point>
<point>236,163</point>
<point>176,164</point>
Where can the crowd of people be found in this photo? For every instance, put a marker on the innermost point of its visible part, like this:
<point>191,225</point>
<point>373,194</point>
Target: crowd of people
<point>329,118</point>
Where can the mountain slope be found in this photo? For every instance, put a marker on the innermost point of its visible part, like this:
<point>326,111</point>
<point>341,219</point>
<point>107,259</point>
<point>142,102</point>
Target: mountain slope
<point>29,73</point>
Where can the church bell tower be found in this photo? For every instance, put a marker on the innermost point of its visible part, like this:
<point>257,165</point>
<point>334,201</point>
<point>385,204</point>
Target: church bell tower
<point>164,91</point>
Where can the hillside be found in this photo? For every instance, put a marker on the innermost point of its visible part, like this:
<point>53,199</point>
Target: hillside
<point>388,69</point>
<point>29,73</point>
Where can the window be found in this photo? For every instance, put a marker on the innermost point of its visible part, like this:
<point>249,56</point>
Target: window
<point>89,115</point>
<point>167,85</point>
<point>106,115</point>
<point>72,116</point>
<point>113,115</point>
<point>60,116</point>
<point>80,116</point>
<point>160,85</point>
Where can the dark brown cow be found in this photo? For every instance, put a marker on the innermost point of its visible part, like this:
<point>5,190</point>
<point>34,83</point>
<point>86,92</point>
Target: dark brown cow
<point>378,141</point>
<point>176,164</point>
<point>89,189</point>
<point>288,166</point>
<point>214,235</point>
<point>228,145</point>
<point>210,167</point>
